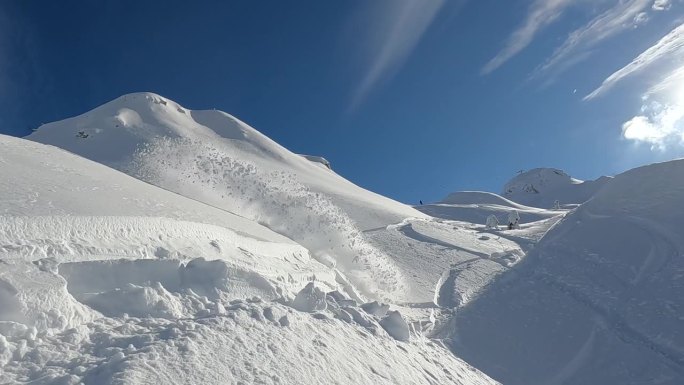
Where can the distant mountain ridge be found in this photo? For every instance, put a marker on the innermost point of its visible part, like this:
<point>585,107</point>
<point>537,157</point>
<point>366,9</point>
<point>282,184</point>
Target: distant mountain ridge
<point>542,187</point>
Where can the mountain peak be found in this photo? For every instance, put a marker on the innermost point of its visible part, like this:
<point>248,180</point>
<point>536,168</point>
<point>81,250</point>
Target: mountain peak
<point>541,187</point>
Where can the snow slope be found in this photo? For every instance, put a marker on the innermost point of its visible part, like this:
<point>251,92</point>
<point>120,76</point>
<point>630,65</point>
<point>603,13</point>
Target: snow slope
<point>598,300</point>
<point>245,263</point>
<point>241,261</point>
<point>214,158</point>
<point>541,187</point>
<point>105,279</point>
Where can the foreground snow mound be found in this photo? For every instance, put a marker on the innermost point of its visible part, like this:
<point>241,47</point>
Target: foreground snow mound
<point>239,344</point>
<point>542,187</point>
<point>214,158</point>
<point>599,299</point>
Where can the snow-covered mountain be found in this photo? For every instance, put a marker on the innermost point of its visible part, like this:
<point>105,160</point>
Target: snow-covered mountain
<point>214,158</point>
<point>222,236</point>
<point>542,187</point>
<point>179,246</point>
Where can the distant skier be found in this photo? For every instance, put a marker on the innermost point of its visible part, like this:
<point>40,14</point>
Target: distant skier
<point>421,202</point>
<point>556,205</point>
<point>513,220</point>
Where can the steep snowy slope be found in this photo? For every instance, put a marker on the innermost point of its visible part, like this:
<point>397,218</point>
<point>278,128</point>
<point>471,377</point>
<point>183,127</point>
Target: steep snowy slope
<point>214,158</point>
<point>120,131</point>
<point>105,279</point>
<point>541,187</point>
<point>599,300</point>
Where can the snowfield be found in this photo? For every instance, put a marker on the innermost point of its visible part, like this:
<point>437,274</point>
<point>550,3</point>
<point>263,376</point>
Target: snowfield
<point>143,242</point>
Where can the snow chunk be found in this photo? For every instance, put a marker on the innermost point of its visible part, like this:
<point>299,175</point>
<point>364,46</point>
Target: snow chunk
<point>375,308</point>
<point>310,299</point>
<point>395,325</point>
<point>492,222</point>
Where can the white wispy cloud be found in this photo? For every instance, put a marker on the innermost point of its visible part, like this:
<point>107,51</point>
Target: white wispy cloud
<point>542,13</point>
<point>658,125</point>
<point>660,121</point>
<point>662,5</point>
<point>671,44</point>
<point>623,15</point>
<point>397,27</point>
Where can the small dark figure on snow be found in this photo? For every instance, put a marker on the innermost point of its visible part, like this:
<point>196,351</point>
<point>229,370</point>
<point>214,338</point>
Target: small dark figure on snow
<point>421,202</point>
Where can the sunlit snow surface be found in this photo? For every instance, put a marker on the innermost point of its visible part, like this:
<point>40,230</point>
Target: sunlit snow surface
<point>214,255</point>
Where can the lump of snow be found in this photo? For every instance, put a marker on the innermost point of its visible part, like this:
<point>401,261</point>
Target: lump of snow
<point>344,316</point>
<point>320,316</point>
<point>310,299</point>
<point>268,314</point>
<point>492,222</point>
<point>337,296</point>
<point>395,325</point>
<point>318,159</point>
<point>375,308</point>
<point>361,319</point>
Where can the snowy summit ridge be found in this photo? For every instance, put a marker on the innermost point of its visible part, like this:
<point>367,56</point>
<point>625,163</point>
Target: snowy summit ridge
<point>541,187</point>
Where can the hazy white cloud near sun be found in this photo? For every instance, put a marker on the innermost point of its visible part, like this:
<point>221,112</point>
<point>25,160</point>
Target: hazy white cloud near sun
<point>658,125</point>
<point>670,45</point>
<point>660,122</point>
<point>542,13</point>
<point>396,27</point>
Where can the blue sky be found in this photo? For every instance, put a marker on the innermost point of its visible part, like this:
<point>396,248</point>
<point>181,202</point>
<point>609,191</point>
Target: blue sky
<point>409,98</point>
